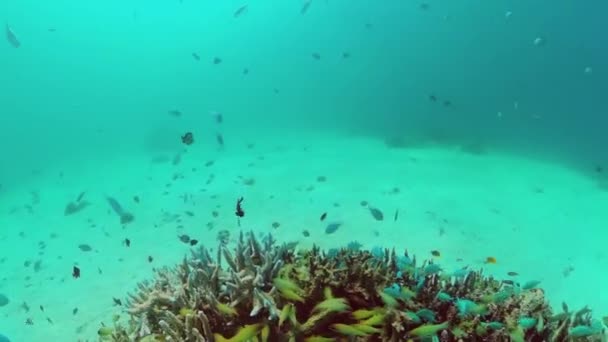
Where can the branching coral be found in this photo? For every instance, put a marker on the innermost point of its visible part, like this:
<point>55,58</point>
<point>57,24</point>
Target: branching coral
<point>263,291</point>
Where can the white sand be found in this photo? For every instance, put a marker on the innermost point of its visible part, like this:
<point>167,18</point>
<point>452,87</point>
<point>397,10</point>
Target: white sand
<point>487,205</point>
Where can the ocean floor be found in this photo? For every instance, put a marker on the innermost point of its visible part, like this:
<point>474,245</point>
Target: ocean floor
<point>542,220</point>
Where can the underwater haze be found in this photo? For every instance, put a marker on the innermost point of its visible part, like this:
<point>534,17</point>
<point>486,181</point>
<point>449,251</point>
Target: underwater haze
<point>477,129</point>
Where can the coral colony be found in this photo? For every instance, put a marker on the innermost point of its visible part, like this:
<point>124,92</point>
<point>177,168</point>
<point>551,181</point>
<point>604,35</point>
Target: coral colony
<point>260,291</point>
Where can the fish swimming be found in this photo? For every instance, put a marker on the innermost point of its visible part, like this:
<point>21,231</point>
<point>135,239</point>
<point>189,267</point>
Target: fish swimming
<point>376,213</point>
<point>125,217</point>
<point>241,10</point>
<point>305,6</point>
<point>332,227</point>
<point>11,37</point>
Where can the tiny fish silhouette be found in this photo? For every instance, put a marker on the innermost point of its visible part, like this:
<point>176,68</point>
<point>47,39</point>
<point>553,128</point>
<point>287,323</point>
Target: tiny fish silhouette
<point>196,56</point>
<point>323,216</point>
<point>240,11</point>
<point>220,139</point>
<point>217,60</point>
<point>188,138</point>
<point>239,209</point>
<point>11,37</point>
<point>332,227</point>
<point>305,6</point>
<point>316,56</point>
<point>76,272</point>
<point>376,213</point>
<point>175,113</point>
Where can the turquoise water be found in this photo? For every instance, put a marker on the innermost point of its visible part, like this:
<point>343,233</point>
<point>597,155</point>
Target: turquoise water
<point>487,143</point>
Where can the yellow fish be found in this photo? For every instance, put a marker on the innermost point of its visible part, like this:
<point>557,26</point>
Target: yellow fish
<point>332,305</point>
<point>348,330</point>
<point>226,309</point>
<point>283,284</point>
<point>285,313</point>
<point>319,339</point>
<point>244,334</point>
<point>367,328</point>
<point>105,331</point>
<point>291,295</point>
<point>376,319</point>
<point>264,334</point>
<point>363,314</point>
<point>388,300</point>
<point>427,330</point>
<point>186,312</point>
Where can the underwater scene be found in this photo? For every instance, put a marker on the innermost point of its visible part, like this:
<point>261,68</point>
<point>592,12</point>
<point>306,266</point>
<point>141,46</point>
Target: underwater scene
<point>303,170</point>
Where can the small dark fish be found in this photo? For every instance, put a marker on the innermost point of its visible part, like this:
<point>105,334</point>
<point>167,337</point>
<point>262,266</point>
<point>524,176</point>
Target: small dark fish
<point>136,199</point>
<point>29,321</point>
<point>117,302</point>
<point>175,113</point>
<point>150,259</point>
<point>216,60</point>
<point>305,6</point>
<point>424,6</point>
<point>48,319</point>
<point>332,227</point>
<point>512,274</point>
<point>85,248</point>
<point>396,215</point>
<point>193,242</point>
<point>188,138</point>
<point>51,29</point>
<point>219,118</point>
<point>435,253</point>
<point>11,37</point>
<point>115,206</point>
<point>599,169</point>
<point>508,282</point>
<point>220,139</point>
<point>239,209</point>
<point>196,56</point>
<point>316,56</point>
<point>41,308</point>
<point>447,103</point>
<point>80,196</point>
<point>376,213</point>
<point>245,71</point>
<point>345,55</point>
<point>74,311</point>
<point>369,26</point>
<point>76,272</point>
<point>306,233</point>
<point>239,11</point>
<point>127,242</point>
<point>323,216</point>
<point>184,238</point>
<point>178,157</point>
<point>433,98</point>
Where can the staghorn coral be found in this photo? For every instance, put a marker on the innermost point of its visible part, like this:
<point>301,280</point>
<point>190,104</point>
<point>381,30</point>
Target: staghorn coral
<point>263,291</point>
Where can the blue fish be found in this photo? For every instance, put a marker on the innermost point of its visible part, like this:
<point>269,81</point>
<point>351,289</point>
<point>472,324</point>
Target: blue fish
<point>332,227</point>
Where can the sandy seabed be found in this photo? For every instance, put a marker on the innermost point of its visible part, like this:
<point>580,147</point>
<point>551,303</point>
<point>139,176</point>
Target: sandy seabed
<point>542,220</point>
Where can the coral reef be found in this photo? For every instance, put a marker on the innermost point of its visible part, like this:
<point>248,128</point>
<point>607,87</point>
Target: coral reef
<point>261,291</point>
